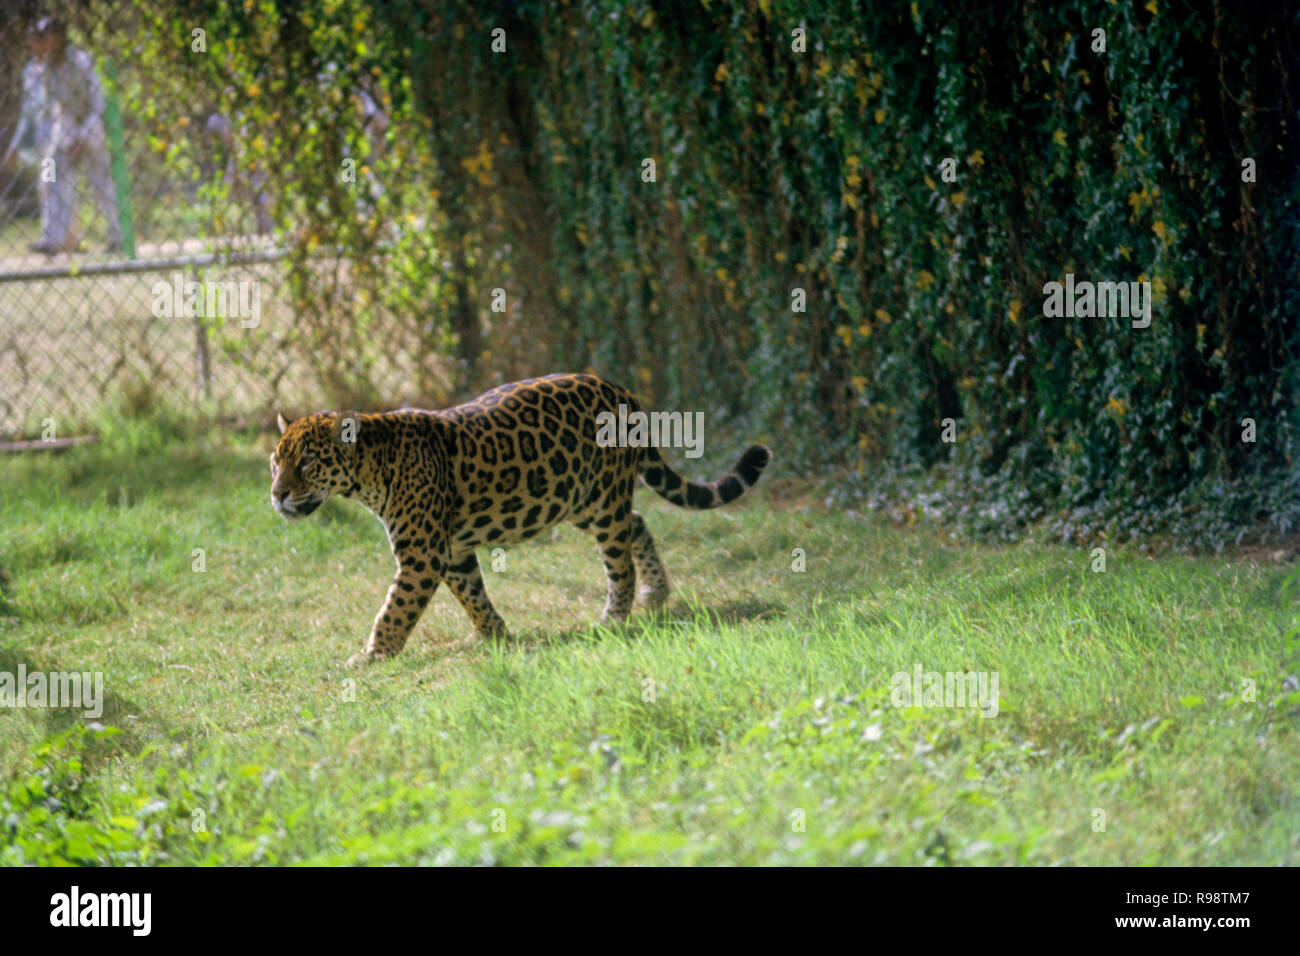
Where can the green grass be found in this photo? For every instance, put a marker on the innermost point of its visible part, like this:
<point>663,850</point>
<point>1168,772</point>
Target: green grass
<point>233,734</point>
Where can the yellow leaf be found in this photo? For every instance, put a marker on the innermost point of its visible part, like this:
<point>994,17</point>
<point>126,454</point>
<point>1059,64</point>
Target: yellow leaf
<point>1059,137</point>
<point>883,316</point>
<point>958,198</point>
<point>880,116</point>
<point>1013,312</point>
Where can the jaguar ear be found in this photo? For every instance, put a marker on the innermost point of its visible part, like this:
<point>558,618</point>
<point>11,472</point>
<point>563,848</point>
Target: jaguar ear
<point>283,422</point>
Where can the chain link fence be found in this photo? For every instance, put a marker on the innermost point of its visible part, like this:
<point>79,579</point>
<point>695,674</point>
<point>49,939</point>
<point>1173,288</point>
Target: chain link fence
<point>146,257</point>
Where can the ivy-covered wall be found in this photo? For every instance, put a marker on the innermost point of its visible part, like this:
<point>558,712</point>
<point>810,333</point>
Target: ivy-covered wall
<point>834,223</point>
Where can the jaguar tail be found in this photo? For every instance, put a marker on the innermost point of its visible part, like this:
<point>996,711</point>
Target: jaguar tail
<point>667,483</point>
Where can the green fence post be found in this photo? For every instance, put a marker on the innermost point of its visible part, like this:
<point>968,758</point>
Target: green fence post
<point>117,154</point>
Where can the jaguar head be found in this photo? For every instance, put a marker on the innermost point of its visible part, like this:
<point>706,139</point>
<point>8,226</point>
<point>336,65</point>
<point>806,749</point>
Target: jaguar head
<point>315,458</point>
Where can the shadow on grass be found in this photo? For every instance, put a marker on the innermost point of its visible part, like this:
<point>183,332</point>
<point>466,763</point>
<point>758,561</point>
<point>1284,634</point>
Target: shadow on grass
<point>469,651</point>
<point>113,708</point>
<point>100,476</point>
<point>644,622</point>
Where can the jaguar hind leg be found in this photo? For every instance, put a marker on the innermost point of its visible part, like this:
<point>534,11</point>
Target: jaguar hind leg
<point>613,538</point>
<point>653,580</point>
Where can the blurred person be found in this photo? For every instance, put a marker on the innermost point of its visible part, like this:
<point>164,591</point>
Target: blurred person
<point>365,97</point>
<point>374,119</point>
<point>253,186</point>
<point>73,106</point>
<point>374,126</point>
<point>34,120</point>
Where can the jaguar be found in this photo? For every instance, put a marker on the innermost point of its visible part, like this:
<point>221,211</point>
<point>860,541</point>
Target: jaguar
<point>496,470</point>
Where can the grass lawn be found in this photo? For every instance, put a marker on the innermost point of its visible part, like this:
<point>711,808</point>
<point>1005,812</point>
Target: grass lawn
<point>755,724</point>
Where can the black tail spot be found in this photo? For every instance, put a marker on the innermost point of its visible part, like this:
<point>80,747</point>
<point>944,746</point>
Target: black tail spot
<point>730,488</point>
<point>698,496</point>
